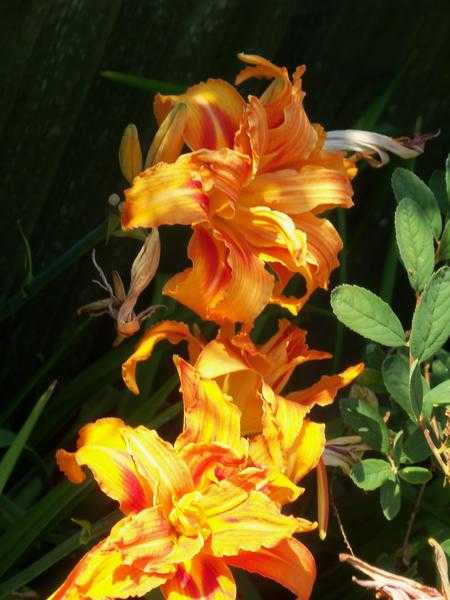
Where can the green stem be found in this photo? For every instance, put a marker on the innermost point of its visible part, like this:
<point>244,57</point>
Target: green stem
<point>389,270</point>
<point>28,291</point>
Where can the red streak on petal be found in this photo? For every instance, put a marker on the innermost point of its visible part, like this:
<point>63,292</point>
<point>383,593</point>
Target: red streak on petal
<point>227,126</point>
<point>136,499</point>
<point>208,129</point>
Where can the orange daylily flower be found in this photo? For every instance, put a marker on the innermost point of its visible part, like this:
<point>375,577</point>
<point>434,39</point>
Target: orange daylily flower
<point>191,509</point>
<point>281,435</point>
<point>252,188</point>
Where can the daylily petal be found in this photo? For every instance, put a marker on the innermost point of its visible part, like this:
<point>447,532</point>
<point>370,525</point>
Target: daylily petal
<point>214,110</point>
<point>253,134</point>
<point>272,235</point>
<point>226,283</point>
<point>169,139</point>
<point>243,521</point>
<point>323,247</point>
<point>165,194</point>
<point>312,189</point>
<point>101,447</point>
<point>209,415</point>
<point>288,442</point>
<point>101,574</point>
<point>269,481</point>
<point>284,351</point>
<point>203,578</point>
<point>278,94</point>
<point>289,563</point>
<point>218,358</point>
<point>149,542</point>
<point>324,391</point>
<point>210,462</point>
<point>172,331</point>
<point>159,463</point>
<point>370,144</point>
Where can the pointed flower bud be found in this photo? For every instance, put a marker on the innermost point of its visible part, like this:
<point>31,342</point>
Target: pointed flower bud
<point>130,154</point>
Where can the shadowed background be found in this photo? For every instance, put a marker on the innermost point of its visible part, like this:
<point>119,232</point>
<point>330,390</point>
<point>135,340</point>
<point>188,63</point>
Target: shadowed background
<point>61,125</point>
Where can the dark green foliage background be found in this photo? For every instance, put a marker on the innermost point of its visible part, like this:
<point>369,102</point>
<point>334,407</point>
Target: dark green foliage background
<point>61,124</point>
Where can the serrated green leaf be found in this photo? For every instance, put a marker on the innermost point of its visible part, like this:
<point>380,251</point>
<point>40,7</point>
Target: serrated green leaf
<point>367,314</point>
<point>444,244</point>
<point>415,475</point>
<point>436,184</point>
<point>407,185</point>
<point>415,388</point>
<point>431,321</point>
<point>366,420</point>
<point>415,243</point>
<point>390,499</point>
<point>371,473</point>
<point>14,451</point>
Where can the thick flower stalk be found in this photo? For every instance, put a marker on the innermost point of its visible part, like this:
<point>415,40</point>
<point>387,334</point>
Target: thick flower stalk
<point>191,510</point>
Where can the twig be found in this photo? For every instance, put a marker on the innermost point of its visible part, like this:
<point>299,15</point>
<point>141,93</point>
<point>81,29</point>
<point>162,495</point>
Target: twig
<point>339,520</point>
<point>412,518</point>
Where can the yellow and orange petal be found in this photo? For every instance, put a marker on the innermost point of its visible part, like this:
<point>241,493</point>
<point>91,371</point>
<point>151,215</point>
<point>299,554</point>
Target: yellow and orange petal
<point>102,449</point>
<point>240,521</point>
<point>173,331</point>
<point>226,283</point>
<point>165,194</point>
<point>157,461</point>
<point>204,577</point>
<point>324,391</point>
<point>289,563</point>
<point>209,415</point>
<point>214,110</point>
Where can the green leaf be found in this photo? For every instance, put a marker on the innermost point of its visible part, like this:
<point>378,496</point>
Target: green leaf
<point>437,186</point>
<point>367,314</point>
<point>407,185</point>
<point>15,450</point>
<point>395,371</point>
<point>415,388</point>
<point>415,448</point>
<point>148,85</point>
<point>439,395</point>
<point>371,473</point>
<point>390,499</point>
<point>415,475</point>
<point>68,546</point>
<point>397,447</point>
<point>366,420</point>
<point>16,540</point>
<point>373,379</point>
<point>431,321</point>
<point>444,244</point>
<point>415,243</point>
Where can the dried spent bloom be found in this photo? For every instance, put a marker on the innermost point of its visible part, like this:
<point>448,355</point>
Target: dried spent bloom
<point>344,452</point>
<point>192,509</point>
<point>374,147</point>
<point>120,304</point>
<point>389,586</point>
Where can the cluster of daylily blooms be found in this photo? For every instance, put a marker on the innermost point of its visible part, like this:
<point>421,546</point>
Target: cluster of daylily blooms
<point>253,186</point>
